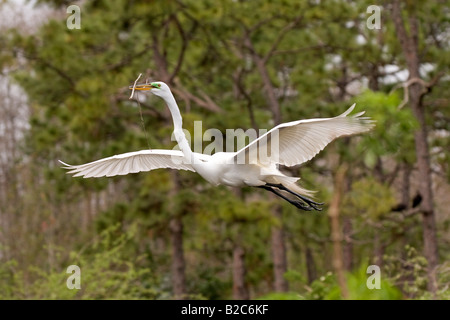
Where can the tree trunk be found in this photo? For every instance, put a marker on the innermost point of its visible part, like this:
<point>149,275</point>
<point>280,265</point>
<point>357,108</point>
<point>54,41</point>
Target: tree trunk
<point>178,264</point>
<point>279,255</point>
<point>378,249</point>
<point>409,44</point>
<point>336,234</point>
<point>425,181</point>
<point>310,266</point>
<point>176,236</point>
<point>240,291</point>
<point>406,186</point>
<point>347,229</point>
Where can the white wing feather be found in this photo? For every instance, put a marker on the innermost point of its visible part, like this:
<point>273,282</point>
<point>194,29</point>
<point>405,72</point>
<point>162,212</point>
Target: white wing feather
<point>299,141</point>
<point>131,162</point>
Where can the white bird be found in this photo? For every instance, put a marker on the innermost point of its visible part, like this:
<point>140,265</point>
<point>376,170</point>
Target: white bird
<point>297,142</point>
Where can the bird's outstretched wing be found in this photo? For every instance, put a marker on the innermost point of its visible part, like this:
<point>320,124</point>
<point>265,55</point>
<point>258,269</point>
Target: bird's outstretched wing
<point>296,142</point>
<point>131,162</point>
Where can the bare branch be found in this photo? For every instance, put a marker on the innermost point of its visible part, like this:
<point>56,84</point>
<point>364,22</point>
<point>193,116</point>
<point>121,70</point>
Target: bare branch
<point>240,87</point>
<point>160,59</point>
<point>412,211</point>
<point>280,37</point>
<point>128,59</point>
<point>184,43</point>
<point>206,102</point>
<point>426,87</point>
<point>261,23</point>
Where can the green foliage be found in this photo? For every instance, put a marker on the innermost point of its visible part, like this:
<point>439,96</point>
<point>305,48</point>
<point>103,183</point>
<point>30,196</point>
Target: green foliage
<point>207,283</point>
<point>358,290</point>
<point>369,198</point>
<point>281,296</point>
<point>410,274</point>
<point>77,82</point>
<point>393,133</point>
<point>327,288</point>
<point>321,288</point>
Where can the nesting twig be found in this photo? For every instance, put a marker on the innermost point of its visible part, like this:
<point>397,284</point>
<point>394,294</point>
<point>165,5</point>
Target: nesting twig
<point>140,110</point>
<point>134,86</point>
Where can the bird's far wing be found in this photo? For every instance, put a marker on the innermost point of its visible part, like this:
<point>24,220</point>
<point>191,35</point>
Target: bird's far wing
<point>131,162</point>
<point>296,142</point>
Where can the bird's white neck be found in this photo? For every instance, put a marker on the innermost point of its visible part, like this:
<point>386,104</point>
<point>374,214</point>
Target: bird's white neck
<point>174,111</point>
<point>180,137</point>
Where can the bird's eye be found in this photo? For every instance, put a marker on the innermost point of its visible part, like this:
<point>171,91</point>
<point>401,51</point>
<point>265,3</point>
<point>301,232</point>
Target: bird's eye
<point>156,85</point>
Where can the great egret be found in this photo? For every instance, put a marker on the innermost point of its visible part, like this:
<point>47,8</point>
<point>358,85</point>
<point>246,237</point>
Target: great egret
<point>298,142</point>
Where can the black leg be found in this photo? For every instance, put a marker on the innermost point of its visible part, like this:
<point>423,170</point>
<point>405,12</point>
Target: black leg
<point>305,199</point>
<point>298,204</point>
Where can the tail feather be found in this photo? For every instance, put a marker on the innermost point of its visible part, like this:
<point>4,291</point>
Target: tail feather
<point>296,188</point>
<point>290,183</point>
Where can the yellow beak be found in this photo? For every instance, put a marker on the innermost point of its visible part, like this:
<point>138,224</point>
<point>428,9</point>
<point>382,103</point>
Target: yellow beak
<point>141,87</point>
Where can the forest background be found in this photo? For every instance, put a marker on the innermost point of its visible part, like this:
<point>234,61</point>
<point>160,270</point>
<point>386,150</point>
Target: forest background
<point>232,64</point>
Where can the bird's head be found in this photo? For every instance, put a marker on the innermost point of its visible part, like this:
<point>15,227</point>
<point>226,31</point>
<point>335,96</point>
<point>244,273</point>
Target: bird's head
<point>157,88</point>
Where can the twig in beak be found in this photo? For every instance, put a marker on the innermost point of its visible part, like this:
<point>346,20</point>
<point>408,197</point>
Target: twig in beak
<point>134,86</point>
